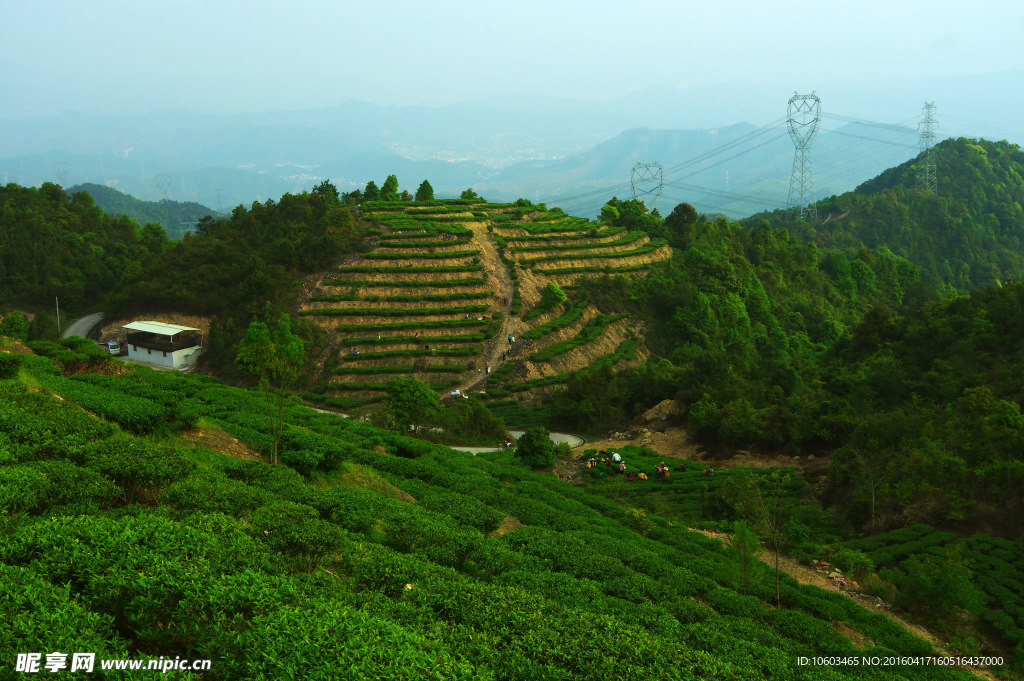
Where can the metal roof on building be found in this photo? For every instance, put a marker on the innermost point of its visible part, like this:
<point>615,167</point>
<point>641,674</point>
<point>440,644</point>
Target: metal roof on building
<point>158,327</point>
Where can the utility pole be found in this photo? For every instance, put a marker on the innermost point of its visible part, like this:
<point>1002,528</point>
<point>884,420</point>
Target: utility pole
<point>645,174</point>
<point>57,300</point>
<point>927,180</point>
<point>804,113</point>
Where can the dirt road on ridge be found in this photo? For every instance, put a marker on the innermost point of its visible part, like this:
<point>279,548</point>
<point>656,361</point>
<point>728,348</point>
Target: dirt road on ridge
<point>492,349</point>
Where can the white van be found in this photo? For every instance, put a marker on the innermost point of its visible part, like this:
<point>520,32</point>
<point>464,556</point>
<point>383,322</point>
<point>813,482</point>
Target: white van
<point>113,347</point>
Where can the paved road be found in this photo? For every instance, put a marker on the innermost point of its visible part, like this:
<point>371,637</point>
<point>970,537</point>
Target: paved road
<point>573,440</point>
<point>80,327</point>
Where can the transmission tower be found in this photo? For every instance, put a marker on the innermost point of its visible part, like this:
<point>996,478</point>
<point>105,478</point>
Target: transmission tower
<point>163,183</point>
<point>60,170</point>
<point>804,115</point>
<point>647,182</point>
<point>927,181</point>
<point>220,208</point>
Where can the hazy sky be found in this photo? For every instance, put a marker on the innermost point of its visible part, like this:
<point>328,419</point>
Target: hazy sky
<point>231,56</point>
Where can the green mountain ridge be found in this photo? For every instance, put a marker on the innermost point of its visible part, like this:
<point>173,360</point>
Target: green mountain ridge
<point>175,217</point>
<point>969,235</point>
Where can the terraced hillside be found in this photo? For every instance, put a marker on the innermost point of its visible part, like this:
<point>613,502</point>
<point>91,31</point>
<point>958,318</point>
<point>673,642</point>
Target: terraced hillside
<point>445,285</point>
<point>553,343</point>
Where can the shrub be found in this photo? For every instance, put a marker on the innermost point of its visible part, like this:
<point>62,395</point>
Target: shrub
<point>421,256</point>
<point>399,326</point>
<point>535,448</point>
<point>444,283</point>
<point>571,315</point>
<point>296,531</point>
<point>392,312</point>
<point>589,333</point>
<point>141,469</point>
<point>464,510</point>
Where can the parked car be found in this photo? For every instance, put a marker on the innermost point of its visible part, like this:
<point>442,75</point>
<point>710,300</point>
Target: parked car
<point>113,347</point>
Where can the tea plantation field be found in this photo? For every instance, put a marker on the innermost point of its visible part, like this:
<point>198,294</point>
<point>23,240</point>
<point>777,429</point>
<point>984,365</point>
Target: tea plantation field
<point>124,540</point>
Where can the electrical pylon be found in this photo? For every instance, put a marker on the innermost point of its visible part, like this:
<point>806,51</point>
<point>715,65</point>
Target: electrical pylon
<point>163,183</point>
<point>927,180</point>
<point>804,116</point>
<point>61,171</point>
<point>647,175</point>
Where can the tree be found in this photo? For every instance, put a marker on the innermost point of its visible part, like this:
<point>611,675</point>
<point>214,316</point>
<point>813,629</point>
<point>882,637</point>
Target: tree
<point>327,190</point>
<point>405,195</point>
<point>470,421</point>
<point>425,192</point>
<point>469,194</point>
<point>609,215</point>
<point>680,224</point>
<point>372,192</point>
<point>762,504</point>
<point>275,357</point>
<point>43,327</point>
<point>15,325</point>
<point>412,402</point>
<point>535,448</point>
<point>936,587</point>
<point>389,192</point>
<point>872,472</point>
<point>552,296</point>
<point>745,547</point>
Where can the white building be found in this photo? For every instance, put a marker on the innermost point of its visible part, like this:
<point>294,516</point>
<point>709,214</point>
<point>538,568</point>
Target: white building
<point>164,345</point>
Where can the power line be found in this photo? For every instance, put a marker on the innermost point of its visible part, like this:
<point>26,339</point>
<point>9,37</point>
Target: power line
<point>872,139</point>
<point>726,195</point>
<point>858,121</point>
<point>690,162</point>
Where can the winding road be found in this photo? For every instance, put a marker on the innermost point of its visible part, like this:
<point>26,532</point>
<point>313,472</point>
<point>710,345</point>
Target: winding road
<point>573,440</point>
<point>82,326</point>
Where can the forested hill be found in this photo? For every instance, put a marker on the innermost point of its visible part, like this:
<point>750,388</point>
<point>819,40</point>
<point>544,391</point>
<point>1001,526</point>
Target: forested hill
<point>970,234</point>
<point>56,245</point>
<point>175,217</point>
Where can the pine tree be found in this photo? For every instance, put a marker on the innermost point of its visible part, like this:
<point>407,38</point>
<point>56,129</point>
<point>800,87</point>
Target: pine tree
<point>425,192</point>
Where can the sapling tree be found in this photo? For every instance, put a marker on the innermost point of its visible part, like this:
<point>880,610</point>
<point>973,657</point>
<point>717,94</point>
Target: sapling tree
<point>761,502</point>
<point>871,470</point>
<point>745,547</point>
<point>275,357</point>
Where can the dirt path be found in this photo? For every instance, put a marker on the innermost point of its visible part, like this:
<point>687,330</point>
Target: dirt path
<point>807,575</point>
<point>491,354</point>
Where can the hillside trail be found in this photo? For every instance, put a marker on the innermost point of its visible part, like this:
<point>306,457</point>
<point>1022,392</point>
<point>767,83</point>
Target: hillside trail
<point>493,348</point>
<point>806,575</point>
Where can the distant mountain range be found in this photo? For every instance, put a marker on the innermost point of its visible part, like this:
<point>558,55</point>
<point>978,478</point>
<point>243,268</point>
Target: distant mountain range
<point>505,147</point>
